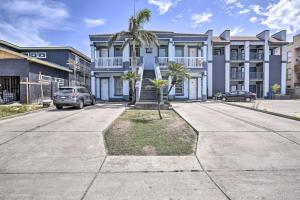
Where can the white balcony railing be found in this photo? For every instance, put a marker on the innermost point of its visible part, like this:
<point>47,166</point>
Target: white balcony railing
<point>190,62</point>
<point>109,62</point>
<point>139,61</point>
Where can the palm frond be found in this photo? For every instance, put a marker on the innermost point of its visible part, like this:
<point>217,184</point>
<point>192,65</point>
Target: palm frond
<point>117,36</point>
<point>142,17</point>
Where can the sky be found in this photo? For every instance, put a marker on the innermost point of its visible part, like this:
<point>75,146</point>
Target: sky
<point>69,22</point>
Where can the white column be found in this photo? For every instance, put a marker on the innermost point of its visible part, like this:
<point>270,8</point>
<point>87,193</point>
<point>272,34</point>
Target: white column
<point>266,79</point>
<point>93,84</point>
<point>227,68</point>
<point>199,88</point>
<point>204,53</point>
<point>126,53</point>
<point>209,78</point>
<point>204,85</point>
<point>111,87</point>
<point>247,76</point>
<point>98,88</point>
<point>266,68</point>
<point>247,50</point>
<point>227,77</point>
<point>92,53</point>
<point>283,69</point>
<point>171,50</point>
<point>126,87</point>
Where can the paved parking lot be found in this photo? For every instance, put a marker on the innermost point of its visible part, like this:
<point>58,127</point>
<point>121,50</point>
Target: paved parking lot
<point>248,154</point>
<point>241,154</point>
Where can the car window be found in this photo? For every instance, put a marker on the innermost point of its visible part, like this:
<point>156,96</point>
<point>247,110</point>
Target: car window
<point>242,92</point>
<point>233,93</point>
<point>66,90</point>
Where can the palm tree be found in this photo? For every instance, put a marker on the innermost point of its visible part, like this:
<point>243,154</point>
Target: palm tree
<point>178,72</point>
<point>132,77</point>
<point>158,84</point>
<point>136,35</point>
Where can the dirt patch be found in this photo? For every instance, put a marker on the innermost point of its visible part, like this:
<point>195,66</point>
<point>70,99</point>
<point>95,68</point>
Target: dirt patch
<point>149,150</point>
<point>121,128</point>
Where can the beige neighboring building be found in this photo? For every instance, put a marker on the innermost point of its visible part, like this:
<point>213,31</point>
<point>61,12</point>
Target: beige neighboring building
<point>293,64</point>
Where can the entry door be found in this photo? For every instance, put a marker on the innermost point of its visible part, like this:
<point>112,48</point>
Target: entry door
<point>104,89</point>
<point>193,52</point>
<point>193,89</point>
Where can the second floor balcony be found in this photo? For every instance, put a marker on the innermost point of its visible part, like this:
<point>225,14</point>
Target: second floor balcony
<point>256,75</point>
<point>237,56</point>
<point>115,62</point>
<point>256,56</point>
<point>189,62</point>
<point>237,75</point>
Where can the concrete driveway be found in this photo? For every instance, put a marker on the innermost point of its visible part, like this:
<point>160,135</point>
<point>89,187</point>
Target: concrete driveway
<point>247,154</point>
<point>53,154</point>
<point>60,155</point>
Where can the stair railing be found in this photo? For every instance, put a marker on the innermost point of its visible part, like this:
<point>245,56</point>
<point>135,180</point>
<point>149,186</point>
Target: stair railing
<point>138,85</point>
<point>159,77</point>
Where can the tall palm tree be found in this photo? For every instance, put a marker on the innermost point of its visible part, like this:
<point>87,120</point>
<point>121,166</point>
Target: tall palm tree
<point>178,73</point>
<point>132,77</point>
<point>136,35</point>
<point>159,85</point>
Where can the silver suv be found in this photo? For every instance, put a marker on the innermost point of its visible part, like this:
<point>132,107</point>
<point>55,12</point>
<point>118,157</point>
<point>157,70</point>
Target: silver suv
<point>73,96</point>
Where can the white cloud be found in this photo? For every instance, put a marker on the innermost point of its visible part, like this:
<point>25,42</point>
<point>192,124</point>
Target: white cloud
<point>177,18</point>
<point>244,11</point>
<point>22,21</point>
<point>285,14</point>
<point>253,19</point>
<point>95,22</point>
<point>164,5</point>
<point>228,2</point>
<point>198,19</point>
<point>256,8</point>
<point>237,30</point>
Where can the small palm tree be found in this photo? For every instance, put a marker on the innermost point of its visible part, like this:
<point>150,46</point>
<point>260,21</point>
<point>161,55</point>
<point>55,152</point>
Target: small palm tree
<point>178,72</point>
<point>132,77</point>
<point>136,35</point>
<point>159,85</point>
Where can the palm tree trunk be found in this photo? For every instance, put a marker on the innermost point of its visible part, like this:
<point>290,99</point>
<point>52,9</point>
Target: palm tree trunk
<point>172,85</point>
<point>158,100</point>
<point>134,59</point>
<point>133,91</point>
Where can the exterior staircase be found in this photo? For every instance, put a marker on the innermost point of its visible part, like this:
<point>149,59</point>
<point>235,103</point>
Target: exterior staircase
<point>148,93</point>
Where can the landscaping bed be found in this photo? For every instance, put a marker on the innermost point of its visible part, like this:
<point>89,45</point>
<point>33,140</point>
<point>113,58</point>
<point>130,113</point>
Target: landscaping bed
<point>141,132</point>
<point>8,110</point>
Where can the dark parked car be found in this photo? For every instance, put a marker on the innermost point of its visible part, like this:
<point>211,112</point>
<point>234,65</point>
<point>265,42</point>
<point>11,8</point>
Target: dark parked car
<point>239,96</point>
<point>73,96</point>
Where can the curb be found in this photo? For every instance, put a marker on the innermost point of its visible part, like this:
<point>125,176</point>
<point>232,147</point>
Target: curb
<point>26,113</point>
<point>266,112</point>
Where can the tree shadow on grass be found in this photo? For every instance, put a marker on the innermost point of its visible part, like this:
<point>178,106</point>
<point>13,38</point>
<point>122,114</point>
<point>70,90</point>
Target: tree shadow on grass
<point>143,121</point>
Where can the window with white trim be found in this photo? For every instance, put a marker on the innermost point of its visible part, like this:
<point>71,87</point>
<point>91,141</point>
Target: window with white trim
<point>118,86</point>
<point>179,88</point>
<point>289,56</point>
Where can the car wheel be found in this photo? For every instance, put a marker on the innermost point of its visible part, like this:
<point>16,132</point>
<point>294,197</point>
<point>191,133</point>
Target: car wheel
<point>58,107</point>
<point>224,99</point>
<point>80,105</point>
<point>247,99</point>
<point>93,101</point>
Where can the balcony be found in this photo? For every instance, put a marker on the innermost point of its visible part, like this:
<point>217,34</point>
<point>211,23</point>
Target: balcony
<point>256,56</point>
<point>109,62</point>
<point>237,56</point>
<point>256,75</point>
<point>139,61</point>
<point>237,75</point>
<point>189,62</point>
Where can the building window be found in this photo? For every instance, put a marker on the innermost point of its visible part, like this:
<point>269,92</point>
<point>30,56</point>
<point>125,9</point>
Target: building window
<point>59,81</point>
<point>289,56</point>
<point>103,52</point>
<point>118,86</point>
<point>163,51</point>
<point>118,51</point>
<point>179,88</point>
<point>289,74</point>
<point>33,54</point>
<point>219,51</point>
<point>179,51</point>
<point>42,55</point>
